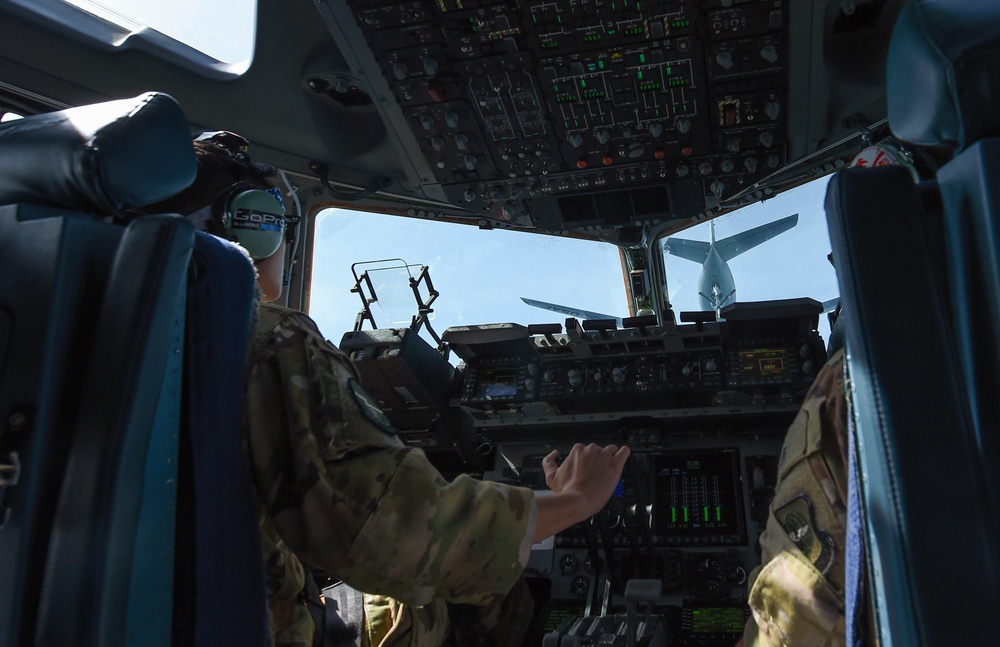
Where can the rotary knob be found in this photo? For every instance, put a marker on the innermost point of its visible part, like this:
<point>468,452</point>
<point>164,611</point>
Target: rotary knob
<point>569,564</point>
<point>575,377</point>
<point>618,375</point>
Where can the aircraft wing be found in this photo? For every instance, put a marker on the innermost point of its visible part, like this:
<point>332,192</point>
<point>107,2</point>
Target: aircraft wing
<point>730,248</point>
<point>692,250</point>
<point>571,311</point>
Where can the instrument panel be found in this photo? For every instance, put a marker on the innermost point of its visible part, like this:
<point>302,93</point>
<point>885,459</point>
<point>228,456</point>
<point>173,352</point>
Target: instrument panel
<point>586,114</point>
<point>704,407</point>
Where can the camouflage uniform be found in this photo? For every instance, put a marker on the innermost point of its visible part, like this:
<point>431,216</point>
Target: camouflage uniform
<point>797,594</point>
<point>339,491</point>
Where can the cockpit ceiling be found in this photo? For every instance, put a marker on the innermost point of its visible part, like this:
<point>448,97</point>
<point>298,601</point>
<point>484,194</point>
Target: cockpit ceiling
<point>588,117</point>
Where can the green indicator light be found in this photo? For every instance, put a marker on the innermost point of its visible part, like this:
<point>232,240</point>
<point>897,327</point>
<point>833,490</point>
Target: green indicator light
<point>685,515</point>
<point>706,514</point>
<point>583,83</point>
<point>718,514</point>
<point>670,71</point>
<point>642,58</point>
<point>673,514</point>
<point>555,88</point>
<point>600,64</point>
<point>558,18</point>
<point>640,74</point>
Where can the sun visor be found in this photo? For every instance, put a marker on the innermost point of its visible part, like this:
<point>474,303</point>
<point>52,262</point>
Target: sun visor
<point>101,158</point>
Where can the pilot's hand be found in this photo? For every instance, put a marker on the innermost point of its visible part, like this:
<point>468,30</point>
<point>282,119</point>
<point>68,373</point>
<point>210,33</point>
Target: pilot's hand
<point>590,470</point>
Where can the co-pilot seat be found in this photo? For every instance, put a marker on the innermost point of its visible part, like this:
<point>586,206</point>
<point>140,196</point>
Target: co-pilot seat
<point>919,272</point>
<point>126,511</point>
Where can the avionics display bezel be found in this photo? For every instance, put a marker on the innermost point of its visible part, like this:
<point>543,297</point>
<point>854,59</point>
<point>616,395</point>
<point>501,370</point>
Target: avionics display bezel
<point>772,365</point>
<point>709,481</point>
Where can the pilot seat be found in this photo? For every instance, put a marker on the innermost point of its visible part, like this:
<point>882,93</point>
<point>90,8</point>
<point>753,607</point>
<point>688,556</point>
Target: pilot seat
<point>126,507</point>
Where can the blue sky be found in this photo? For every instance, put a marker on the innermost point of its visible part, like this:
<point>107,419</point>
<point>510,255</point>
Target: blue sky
<point>481,274</point>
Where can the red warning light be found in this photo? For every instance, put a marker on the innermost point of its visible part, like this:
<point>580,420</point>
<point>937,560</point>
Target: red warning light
<point>686,150</point>
<point>608,160</point>
<point>581,164</point>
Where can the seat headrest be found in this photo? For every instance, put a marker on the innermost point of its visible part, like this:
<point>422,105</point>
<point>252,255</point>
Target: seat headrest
<point>101,158</point>
<point>943,73</point>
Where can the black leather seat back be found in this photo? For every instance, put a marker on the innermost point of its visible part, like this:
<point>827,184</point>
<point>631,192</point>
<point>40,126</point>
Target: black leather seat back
<point>919,273</point>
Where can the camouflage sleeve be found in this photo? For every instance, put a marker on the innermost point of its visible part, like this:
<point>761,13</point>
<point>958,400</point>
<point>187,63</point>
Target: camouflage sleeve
<point>348,498</point>
<point>796,595</point>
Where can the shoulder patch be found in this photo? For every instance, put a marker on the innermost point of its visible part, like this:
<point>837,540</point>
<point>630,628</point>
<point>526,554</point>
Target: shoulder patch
<point>369,408</point>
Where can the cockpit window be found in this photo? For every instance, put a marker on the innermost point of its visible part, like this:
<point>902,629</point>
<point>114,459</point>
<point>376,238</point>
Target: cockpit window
<point>215,37</point>
<point>480,275</point>
<point>784,261</point>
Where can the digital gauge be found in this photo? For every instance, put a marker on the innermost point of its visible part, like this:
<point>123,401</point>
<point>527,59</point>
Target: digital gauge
<point>764,364</point>
<point>697,498</point>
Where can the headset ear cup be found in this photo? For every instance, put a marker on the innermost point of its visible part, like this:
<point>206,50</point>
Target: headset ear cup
<point>254,218</point>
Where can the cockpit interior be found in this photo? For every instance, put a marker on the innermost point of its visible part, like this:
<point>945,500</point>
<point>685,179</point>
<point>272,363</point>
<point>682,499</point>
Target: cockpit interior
<point>618,128</point>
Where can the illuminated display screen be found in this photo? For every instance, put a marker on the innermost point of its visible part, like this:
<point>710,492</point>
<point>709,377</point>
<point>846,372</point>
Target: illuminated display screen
<point>497,385</point>
<point>696,495</point>
<point>717,620</point>
<point>764,363</point>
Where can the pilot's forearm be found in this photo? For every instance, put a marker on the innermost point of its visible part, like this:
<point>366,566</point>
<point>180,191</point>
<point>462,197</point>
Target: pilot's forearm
<point>557,512</point>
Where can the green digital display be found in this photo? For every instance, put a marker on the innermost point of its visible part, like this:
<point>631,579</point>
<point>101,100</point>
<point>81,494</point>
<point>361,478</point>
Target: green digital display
<point>717,620</point>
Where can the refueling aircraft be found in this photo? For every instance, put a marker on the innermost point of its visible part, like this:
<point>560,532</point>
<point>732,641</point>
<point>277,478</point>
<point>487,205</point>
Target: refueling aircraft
<point>716,286</point>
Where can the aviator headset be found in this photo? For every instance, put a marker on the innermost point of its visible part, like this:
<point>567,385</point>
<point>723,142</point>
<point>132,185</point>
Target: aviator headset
<point>252,217</point>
